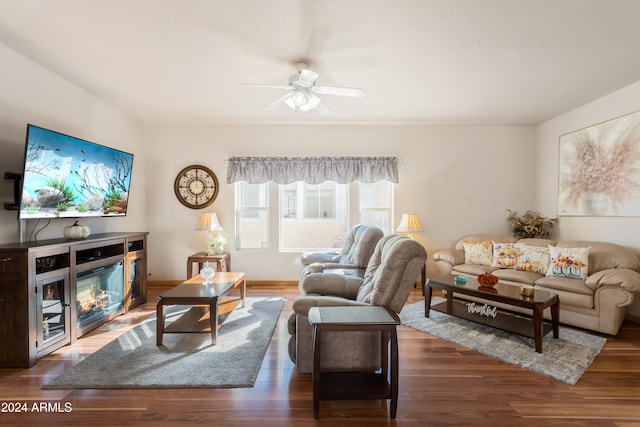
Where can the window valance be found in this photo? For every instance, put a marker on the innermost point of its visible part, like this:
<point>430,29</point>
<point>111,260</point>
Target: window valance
<point>312,170</point>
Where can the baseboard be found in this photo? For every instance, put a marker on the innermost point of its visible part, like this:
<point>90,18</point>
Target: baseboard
<point>162,283</point>
<point>632,318</point>
<point>286,283</point>
<point>172,283</point>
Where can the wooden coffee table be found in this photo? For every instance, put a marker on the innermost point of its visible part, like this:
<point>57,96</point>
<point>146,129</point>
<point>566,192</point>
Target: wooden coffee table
<point>486,314</point>
<point>195,292</point>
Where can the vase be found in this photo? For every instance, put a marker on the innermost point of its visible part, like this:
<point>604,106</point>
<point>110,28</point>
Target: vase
<point>596,203</point>
<point>207,273</point>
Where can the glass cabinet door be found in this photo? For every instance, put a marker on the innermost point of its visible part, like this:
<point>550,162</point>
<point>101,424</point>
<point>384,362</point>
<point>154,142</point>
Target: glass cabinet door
<point>135,280</point>
<point>53,314</point>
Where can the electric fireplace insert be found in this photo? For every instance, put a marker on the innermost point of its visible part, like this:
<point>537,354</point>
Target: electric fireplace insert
<point>99,295</point>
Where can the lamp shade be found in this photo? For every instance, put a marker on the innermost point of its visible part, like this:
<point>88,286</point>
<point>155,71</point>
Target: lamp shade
<point>409,223</point>
<point>209,222</point>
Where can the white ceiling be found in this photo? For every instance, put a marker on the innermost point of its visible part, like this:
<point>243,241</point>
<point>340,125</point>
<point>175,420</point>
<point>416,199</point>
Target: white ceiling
<point>422,61</point>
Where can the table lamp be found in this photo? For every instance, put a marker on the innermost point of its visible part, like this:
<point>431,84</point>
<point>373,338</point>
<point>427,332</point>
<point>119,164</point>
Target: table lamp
<point>209,222</point>
<point>409,223</point>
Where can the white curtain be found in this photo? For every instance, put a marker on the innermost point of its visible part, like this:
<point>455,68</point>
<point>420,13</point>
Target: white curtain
<point>312,170</point>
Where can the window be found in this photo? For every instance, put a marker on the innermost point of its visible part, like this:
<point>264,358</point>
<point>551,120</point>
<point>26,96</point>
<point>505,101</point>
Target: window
<point>311,216</point>
<point>376,205</point>
<point>252,216</point>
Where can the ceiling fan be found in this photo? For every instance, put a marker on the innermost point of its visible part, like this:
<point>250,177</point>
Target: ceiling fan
<point>303,91</point>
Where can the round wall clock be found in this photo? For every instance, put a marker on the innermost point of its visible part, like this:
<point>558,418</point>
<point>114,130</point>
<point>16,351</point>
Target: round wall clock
<point>196,186</point>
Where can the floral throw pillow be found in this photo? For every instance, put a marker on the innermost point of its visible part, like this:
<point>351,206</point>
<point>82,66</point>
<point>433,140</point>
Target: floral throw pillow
<point>480,253</point>
<point>533,258</point>
<point>505,255</point>
<point>568,262</point>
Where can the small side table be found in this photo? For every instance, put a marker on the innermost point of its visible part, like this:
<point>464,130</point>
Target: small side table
<point>356,385</point>
<point>222,262</point>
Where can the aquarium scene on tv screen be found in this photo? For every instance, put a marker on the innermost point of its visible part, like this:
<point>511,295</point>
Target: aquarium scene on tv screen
<point>67,177</point>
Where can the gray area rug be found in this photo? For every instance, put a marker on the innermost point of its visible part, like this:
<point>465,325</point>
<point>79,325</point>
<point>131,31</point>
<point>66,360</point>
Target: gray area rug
<point>184,360</point>
<point>564,359</point>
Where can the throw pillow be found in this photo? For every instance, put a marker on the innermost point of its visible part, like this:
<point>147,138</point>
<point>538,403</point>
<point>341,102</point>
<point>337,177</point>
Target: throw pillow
<point>505,255</point>
<point>568,262</point>
<point>480,253</point>
<point>534,259</point>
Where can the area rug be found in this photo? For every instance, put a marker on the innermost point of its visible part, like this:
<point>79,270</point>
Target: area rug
<point>564,359</point>
<point>184,360</point>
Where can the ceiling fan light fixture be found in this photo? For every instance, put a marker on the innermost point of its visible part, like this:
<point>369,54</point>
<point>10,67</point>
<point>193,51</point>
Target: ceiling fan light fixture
<point>296,101</point>
<point>299,99</point>
<point>312,103</point>
<point>304,91</point>
<point>289,103</point>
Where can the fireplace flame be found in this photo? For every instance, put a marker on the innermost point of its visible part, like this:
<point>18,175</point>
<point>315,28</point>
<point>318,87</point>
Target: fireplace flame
<point>95,302</point>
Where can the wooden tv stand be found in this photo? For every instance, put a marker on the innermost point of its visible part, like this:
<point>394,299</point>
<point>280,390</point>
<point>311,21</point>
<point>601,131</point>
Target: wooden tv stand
<point>39,306</point>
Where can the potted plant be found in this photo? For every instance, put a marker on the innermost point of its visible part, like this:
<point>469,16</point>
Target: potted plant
<point>530,225</point>
<point>218,243</point>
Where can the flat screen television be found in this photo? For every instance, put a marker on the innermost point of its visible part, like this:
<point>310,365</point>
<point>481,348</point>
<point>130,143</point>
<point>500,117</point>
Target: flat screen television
<point>67,177</point>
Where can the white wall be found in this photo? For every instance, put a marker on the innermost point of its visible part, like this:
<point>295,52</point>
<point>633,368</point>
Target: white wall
<point>609,229</point>
<point>621,230</point>
<point>458,179</point>
<point>29,93</point>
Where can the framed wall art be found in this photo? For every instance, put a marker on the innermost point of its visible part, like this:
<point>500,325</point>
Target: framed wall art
<point>599,169</point>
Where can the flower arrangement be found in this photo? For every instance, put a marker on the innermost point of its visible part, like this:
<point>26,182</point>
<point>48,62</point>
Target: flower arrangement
<point>218,243</point>
<point>567,261</point>
<point>531,224</point>
<point>567,266</point>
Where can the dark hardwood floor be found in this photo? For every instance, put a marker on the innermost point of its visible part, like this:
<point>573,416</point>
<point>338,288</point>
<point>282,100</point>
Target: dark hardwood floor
<point>440,384</point>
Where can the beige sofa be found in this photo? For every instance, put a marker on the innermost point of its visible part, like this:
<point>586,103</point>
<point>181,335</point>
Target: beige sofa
<point>609,274</point>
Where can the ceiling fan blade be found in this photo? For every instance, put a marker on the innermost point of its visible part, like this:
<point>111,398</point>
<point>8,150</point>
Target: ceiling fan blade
<point>307,77</point>
<point>268,86</point>
<point>339,91</point>
<point>279,101</point>
<point>322,109</point>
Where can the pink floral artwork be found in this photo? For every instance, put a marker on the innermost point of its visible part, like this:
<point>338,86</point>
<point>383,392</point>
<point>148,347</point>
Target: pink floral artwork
<point>599,169</point>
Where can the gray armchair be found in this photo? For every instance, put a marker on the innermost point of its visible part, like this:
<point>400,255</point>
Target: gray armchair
<point>390,275</point>
<point>356,251</point>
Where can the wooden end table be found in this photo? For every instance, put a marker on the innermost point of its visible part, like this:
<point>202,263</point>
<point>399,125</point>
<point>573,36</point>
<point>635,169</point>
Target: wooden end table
<point>356,385</point>
<point>222,262</point>
<point>489,315</point>
<point>195,292</point>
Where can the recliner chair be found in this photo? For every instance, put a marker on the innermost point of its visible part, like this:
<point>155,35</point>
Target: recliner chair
<point>390,275</point>
<point>356,251</point>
